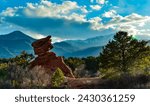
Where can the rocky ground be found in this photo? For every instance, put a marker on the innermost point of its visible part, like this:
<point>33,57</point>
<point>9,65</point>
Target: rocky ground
<point>78,83</point>
<point>129,82</point>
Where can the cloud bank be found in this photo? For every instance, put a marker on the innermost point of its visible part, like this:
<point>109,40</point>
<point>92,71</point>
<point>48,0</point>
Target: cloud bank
<point>73,20</point>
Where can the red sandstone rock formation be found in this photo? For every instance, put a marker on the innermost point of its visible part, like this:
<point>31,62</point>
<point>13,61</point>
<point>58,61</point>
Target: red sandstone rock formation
<point>47,59</point>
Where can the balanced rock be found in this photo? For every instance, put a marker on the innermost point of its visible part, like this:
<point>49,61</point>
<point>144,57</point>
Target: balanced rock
<point>47,59</point>
<point>42,46</point>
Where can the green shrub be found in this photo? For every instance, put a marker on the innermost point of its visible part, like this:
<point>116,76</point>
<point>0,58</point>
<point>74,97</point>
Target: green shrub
<point>73,63</point>
<point>3,70</point>
<point>57,78</point>
<point>109,73</point>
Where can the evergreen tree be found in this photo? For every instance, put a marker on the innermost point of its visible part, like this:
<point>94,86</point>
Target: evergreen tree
<point>122,51</point>
<point>91,63</point>
<point>57,78</point>
<point>73,63</point>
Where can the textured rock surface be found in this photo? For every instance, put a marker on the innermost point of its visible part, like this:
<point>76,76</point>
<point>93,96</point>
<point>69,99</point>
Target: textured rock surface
<point>42,46</point>
<point>47,59</point>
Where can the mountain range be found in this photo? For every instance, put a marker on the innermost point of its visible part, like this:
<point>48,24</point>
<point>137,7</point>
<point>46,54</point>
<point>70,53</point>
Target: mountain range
<point>14,43</point>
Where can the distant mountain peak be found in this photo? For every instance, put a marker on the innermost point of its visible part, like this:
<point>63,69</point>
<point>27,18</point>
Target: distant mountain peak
<point>15,35</point>
<point>16,32</point>
<point>14,43</point>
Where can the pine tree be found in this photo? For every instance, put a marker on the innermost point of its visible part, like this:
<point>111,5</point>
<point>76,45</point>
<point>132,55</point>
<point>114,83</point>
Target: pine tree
<point>122,51</point>
<point>57,78</point>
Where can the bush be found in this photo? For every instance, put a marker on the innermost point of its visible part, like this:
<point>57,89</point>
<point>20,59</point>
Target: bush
<point>38,77</point>
<point>57,78</point>
<point>127,82</point>
<point>109,73</point>
<point>141,66</point>
<point>73,63</point>
<point>19,77</point>
<point>92,64</point>
<point>3,70</point>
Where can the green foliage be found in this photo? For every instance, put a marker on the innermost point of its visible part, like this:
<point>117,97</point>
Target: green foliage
<point>23,59</point>
<point>91,63</point>
<point>122,51</point>
<point>19,77</point>
<point>109,73</point>
<point>127,81</point>
<point>84,67</point>
<point>124,63</point>
<point>73,63</point>
<point>4,60</point>
<point>11,69</point>
<point>57,78</point>
<point>3,70</point>
<point>3,66</point>
<point>141,66</point>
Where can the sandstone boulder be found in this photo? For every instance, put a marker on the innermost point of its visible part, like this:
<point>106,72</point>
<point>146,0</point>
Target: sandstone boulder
<point>48,59</point>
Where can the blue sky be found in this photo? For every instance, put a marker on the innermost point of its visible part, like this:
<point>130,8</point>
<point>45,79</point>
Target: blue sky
<point>75,19</point>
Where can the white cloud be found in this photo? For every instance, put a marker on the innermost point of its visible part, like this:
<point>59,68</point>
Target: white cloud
<point>39,36</point>
<point>95,7</point>
<point>144,32</point>
<point>73,14</point>
<point>68,10</point>
<point>131,23</point>
<point>9,12</point>
<point>84,10</point>
<point>110,14</point>
<point>135,24</point>
<point>135,17</point>
<point>95,19</point>
<point>76,17</point>
<point>129,28</point>
<point>101,1</point>
<point>141,24</point>
<point>130,19</point>
<point>96,23</point>
<point>57,39</point>
<point>34,34</point>
<point>48,9</point>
